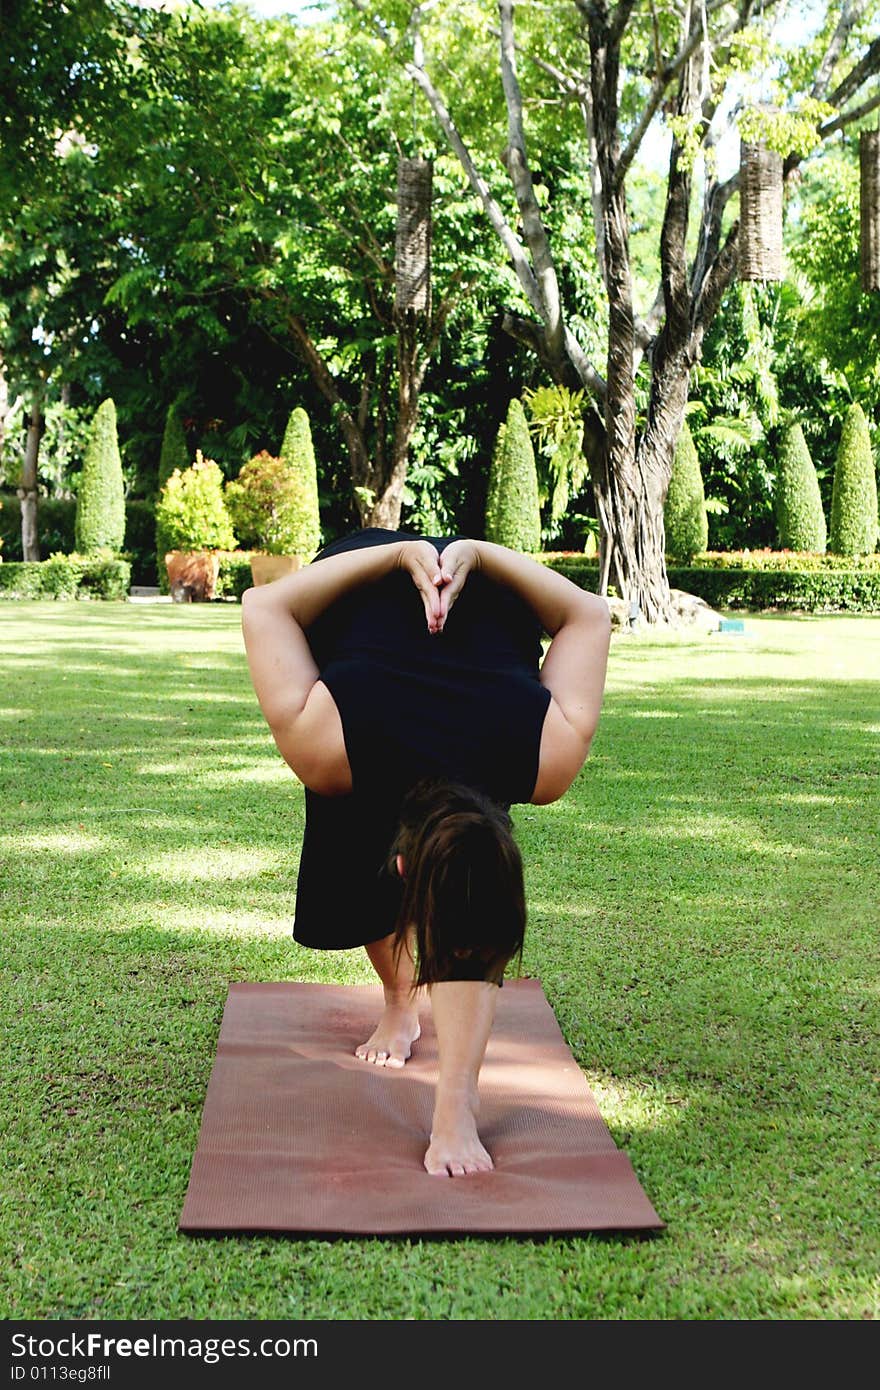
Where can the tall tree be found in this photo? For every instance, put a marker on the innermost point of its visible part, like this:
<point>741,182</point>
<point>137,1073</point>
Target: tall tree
<point>265,180</point>
<point>620,66</point>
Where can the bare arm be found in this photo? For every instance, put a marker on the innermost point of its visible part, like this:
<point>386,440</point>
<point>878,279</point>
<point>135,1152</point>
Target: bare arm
<point>276,617</point>
<point>576,663</point>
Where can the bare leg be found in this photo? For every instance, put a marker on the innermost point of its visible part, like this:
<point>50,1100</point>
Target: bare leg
<point>398,1028</point>
<point>463,1014</point>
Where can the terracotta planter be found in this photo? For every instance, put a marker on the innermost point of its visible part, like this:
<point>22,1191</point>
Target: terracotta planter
<point>192,574</point>
<point>266,568</point>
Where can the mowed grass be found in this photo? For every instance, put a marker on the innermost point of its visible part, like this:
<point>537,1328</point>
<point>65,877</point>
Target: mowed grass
<point>703,917</point>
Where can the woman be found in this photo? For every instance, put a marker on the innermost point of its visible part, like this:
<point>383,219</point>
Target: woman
<point>414,728</point>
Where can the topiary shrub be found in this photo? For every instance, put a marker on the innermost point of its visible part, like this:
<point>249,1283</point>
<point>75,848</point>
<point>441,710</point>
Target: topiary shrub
<point>800,519</point>
<point>174,452</point>
<point>59,576</point>
<point>265,505</point>
<point>100,502</point>
<point>298,453</point>
<point>684,511</point>
<point>513,510</point>
<point>191,512</point>
<point>854,493</point>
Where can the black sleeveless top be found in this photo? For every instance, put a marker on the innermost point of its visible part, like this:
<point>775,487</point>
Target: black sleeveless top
<point>466,704</point>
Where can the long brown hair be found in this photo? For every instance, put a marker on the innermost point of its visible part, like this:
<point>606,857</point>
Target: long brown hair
<point>463,888</point>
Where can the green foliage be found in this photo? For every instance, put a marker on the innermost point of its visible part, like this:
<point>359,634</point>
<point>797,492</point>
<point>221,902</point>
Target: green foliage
<point>840,326</point>
<point>557,423</point>
<point>103,576</point>
<point>684,511</point>
<point>513,513</point>
<point>191,512</point>
<point>298,454</point>
<point>854,522</point>
<point>175,450</point>
<point>56,521</point>
<point>800,519</point>
<point>140,540</point>
<point>100,500</point>
<point>234,575</point>
<point>797,586</point>
<point>264,504</point>
<point>792,131</point>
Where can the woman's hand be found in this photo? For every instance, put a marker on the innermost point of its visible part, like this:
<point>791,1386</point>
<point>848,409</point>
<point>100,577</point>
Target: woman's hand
<point>456,563</point>
<point>422,563</point>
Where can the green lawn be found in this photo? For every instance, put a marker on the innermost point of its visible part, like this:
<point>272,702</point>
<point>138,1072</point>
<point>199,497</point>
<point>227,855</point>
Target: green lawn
<point>703,916</point>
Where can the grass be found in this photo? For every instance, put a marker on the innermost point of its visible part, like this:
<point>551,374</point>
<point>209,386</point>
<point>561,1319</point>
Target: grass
<point>703,916</point>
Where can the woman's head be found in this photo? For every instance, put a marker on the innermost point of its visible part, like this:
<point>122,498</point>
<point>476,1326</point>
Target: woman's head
<point>463,886</point>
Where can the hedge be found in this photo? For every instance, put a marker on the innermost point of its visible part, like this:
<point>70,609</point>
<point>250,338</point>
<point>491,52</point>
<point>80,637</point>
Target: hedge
<point>235,574</point>
<point>56,518</point>
<point>811,588</point>
<point>65,576</point>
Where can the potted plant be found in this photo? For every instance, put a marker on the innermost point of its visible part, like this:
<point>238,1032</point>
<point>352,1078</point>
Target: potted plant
<point>266,507</point>
<point>194,524</point>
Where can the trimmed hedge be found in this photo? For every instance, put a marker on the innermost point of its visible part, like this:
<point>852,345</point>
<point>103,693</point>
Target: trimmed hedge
<point>66,576</point>
<point>513,509</point>
<point>56,520</point>
<point>854,494</point>
<point>800,520</point>
<point>139,546</point>
<point>298,455</point>
<point>100,500</point>
<point>684,512</point>
<point>826,588</point>
<point>56,517</point>
<point>784,560</point>
<point>235,574</point>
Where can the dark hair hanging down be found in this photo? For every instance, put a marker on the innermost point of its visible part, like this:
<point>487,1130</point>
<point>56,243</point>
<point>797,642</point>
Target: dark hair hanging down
<point>463,888</point>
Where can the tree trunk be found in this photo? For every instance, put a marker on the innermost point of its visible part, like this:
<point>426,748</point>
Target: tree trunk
<point>27,490</point>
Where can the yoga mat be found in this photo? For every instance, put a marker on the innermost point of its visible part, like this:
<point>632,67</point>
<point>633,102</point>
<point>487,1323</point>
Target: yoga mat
<point>300,1137</point>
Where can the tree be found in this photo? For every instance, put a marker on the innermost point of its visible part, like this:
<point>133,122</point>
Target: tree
<point>219,227</point>
<point>854,520</point>
<point>840,324</point>
<point>513,514</point>
<point>298,454</point>
<point>800,518</point>
<point>100,500</point>
<point>620,66</point>
<point>175,450</point>
<point>58,66</point>
<point>684,513</point>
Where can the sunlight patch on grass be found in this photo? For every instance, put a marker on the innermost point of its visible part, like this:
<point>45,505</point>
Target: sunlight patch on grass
<point>214,864</point>
<point>69,842</point>
<point>655,714</point>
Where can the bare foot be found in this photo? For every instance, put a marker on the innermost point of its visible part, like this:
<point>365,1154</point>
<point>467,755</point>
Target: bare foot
<point>391,1043</point>
<point>455,1148</point>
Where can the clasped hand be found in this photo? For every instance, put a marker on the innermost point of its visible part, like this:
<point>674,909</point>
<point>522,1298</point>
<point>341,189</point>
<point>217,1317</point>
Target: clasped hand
<point>439,579</point>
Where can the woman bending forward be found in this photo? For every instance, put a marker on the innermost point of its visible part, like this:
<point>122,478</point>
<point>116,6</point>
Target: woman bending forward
<point>402,680</point>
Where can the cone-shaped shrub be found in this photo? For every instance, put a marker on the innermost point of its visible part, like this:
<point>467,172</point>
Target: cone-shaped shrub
<point>800,520</point>
<point>513,510</point>
<point>684,511</point>
<point>854,494</point>
<point>191,512</point>
<point>298,454</point>
<point>175,451</point>
<point>100,501</point>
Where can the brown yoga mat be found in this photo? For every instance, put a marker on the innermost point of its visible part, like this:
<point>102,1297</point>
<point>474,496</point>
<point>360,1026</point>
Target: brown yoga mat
<point>299,1136</point>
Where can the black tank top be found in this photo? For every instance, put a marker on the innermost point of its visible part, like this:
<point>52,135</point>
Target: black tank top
<point>466,704</point>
